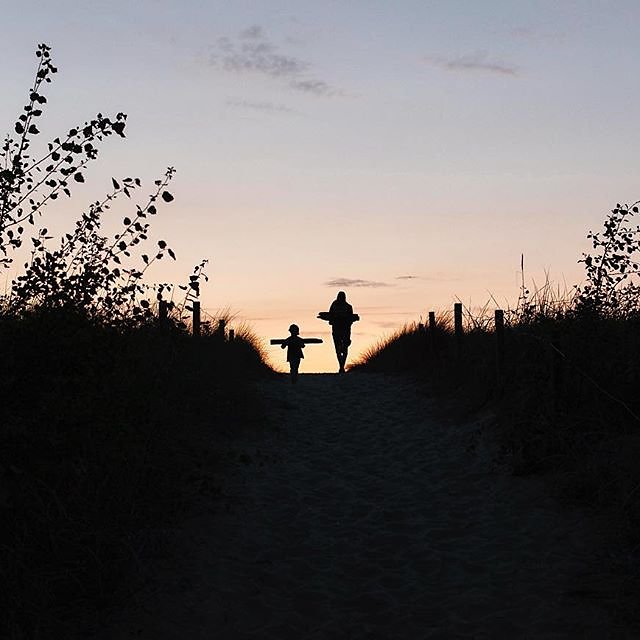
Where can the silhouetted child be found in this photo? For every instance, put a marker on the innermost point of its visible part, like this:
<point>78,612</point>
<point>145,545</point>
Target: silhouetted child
<point>294,345</point>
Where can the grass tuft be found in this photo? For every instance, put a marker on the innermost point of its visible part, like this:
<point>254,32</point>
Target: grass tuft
<point>108,438</point>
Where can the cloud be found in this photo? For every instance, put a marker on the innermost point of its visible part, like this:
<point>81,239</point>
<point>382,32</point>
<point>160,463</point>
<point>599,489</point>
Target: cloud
<point>265,107</point>
<point>387,324</point>
<point>534,34</point>
<point>437,276</point>
<point>253,52</point>
<point>317,87</point>
<point>254,32</point>
<point>478,61</point>
<point>258,57</point>
<point>355,282</point>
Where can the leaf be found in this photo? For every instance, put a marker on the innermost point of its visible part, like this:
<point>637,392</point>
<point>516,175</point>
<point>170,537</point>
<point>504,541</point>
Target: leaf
<point>127,221</point>
<point>166,196</point>
<point>173,255</point>
<point>151,209</point>
<point>19,128</point>
<point>78,177</point>
<point>33,129</point>
<point>162,244</point>
<point>115,184</point>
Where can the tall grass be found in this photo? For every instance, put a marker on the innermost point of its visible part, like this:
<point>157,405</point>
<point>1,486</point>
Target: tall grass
<point>109,418</point>
<point>566,401</point>
<point>108,438</point>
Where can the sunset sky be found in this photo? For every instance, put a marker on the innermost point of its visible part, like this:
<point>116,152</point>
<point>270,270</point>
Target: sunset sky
<point>405,152</point>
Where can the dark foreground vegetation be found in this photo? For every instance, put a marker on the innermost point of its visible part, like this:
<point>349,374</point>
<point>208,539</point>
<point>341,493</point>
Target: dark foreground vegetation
<point>565,397</point>
<point>109,410</point>
<point>108,439</point>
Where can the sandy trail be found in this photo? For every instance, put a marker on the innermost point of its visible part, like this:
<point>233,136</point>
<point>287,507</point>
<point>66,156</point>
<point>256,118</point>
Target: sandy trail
<point>375,520</point>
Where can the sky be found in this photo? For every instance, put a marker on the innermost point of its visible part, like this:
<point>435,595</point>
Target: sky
<point>404,152</point>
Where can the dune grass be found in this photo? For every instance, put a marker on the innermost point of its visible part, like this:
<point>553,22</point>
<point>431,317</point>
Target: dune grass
<point>565,402</point>
<point>109,437</point>
<point>109,416</point>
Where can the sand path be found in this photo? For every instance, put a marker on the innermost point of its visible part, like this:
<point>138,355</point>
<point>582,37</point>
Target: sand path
<point>372,519</point>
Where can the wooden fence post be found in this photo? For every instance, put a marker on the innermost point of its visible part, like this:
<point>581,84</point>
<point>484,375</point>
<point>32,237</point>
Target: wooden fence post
<point>557,374</point>
<point>162,312</point>
<point>222,328</point>
<point>457,324</point>
<point>432,331</point>
<point>195,325</point>
<point>499,318</point>
<point>232,335</point>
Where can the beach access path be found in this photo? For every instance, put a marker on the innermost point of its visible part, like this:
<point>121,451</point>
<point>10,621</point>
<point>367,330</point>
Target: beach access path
<point>358,513</point>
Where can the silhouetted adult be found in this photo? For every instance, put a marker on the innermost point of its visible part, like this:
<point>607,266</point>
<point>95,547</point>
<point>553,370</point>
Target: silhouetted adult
<point>341,320</point>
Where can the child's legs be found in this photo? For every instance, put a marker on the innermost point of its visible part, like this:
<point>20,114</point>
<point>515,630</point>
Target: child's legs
<point>294,365</point>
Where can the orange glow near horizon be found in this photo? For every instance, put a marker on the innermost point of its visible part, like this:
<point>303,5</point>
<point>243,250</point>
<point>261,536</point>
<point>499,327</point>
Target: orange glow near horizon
<point>373,161</point>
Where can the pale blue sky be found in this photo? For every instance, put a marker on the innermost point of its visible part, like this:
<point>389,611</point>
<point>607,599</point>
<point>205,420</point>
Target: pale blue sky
<point>350,140</point>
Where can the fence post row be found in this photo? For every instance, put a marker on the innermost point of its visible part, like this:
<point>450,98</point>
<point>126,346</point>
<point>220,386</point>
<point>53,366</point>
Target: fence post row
<point>499,320</point>
<point>457,323</point>
<point>557,374</point>
<point>195,325</point>
<point>162,312</point>
<point>432,331</point>
<point>222,327</point>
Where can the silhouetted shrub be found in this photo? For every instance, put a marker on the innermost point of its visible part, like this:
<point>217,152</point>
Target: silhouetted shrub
<point>108,418</point>
<point>570,375</point>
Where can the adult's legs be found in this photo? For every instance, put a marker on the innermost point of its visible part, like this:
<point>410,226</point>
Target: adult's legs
<point>341,341</point>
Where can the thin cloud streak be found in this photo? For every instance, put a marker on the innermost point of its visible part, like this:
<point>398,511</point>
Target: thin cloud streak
<point>434,277</point>
<point>478,61</point>
<point>316,87</point>
<point>266,107</point>
<point>536,35</point>
<point>356,282</point>
<point>254,32</point>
